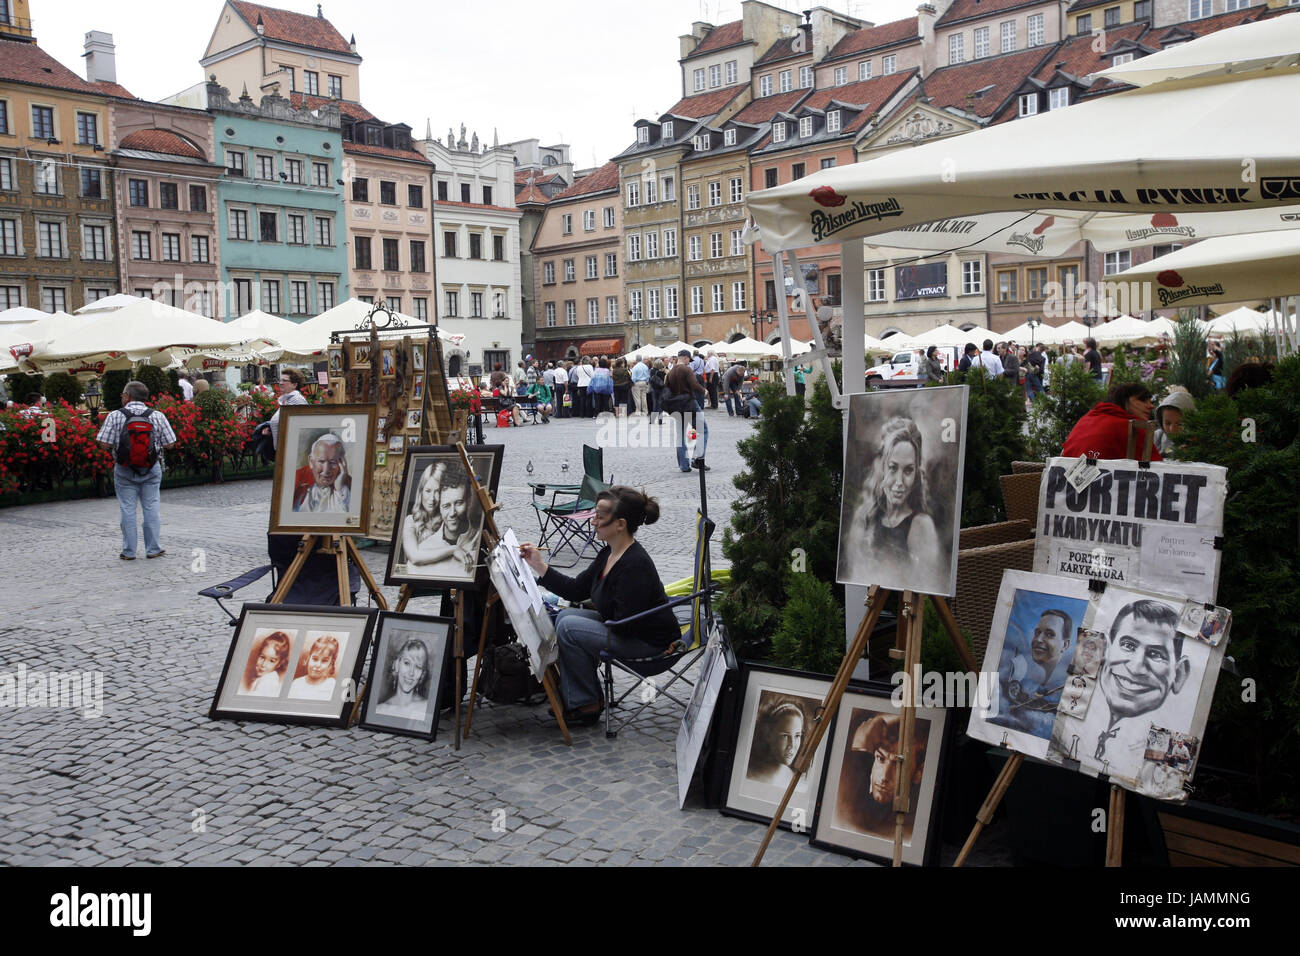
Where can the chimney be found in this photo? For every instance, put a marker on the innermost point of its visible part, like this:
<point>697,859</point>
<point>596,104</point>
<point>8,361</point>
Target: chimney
<point>926,15</point>
<point>100,60</point>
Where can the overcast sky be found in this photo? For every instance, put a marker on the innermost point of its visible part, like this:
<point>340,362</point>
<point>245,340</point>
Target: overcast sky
<point>574,71</point>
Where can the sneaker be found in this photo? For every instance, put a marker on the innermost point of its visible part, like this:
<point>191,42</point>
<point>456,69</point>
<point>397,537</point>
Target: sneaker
<point>127,557</point>
<point>156,554</point>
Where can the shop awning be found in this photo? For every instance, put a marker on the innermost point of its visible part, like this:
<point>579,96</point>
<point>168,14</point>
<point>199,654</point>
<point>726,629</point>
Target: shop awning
<point>601,347</point>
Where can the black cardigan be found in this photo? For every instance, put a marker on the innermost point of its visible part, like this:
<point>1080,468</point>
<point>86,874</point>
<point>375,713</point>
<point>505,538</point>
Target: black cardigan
<point>631,587</point>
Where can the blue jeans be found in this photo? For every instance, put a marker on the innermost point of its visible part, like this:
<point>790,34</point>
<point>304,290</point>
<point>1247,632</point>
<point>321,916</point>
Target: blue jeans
<point>582,636</point>
<point>132,488</point>
<point>702,428</point>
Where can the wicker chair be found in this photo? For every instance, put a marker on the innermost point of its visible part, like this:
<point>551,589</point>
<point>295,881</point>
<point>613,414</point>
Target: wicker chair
<point>1024,467</point>
<point>1020,494</point>
<point>985,552</point>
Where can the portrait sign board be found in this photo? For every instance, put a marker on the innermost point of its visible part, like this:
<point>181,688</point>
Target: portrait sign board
<point>323,474</point>
<point>1100,678</point>
<point>855,808</point>
<point>439,526</point>
<point>294,664</point>
<point>901,510</point>
<point>776,711</point>
<point>406,674</point>
<point>717,660</point>
<point>1157,527</point>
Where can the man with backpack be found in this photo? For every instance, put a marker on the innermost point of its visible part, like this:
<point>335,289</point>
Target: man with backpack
<point>137,435</point>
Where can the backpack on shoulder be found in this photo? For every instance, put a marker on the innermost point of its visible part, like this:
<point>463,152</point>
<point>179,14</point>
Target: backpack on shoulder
<point>135,449</point>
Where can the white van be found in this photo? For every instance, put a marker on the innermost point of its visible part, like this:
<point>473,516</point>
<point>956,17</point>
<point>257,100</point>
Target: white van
<point>901,370</point>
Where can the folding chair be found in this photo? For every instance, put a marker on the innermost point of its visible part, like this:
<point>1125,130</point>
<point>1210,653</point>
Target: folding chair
<point>317,583</point>
<point>679,657</point>
<point>565,498</point>
<point>575,524</point>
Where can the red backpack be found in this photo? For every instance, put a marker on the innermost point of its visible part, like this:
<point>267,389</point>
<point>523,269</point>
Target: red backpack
<point>135,441</point>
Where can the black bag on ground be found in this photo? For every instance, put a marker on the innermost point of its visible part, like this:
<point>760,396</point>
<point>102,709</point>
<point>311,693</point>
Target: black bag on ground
<point>506,677</point>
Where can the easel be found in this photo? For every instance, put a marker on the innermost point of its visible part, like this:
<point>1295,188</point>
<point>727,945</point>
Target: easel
<point>1114,815</point>
<point>907,648</point>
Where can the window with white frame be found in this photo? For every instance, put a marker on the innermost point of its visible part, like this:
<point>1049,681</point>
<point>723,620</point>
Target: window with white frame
<point>697,299</point>
<point>611,309</point>
<point>94,243</point>
<point>550,315</point>
<point>729,137</point>
<point>732,70</point>
<point>141,245</point>
<point>643,134</point>
<point>271,296</point>
<point>667,189</point>
<point>864,70</point>
<point>737,189</point>
<point>451,303</point>
<point>593,311</point>
<point>593,267</point>
<point>1196,9</point>
<point>1083,24</point>
<point>833,121</point>
<point>701,142</point>
<point>6,173</point>
<point>670,302</point>
<point>239,224</point>
<point>805,77</point>
<point>778,132</point>
<point>737,242</point>
<point>652,244</point>
<point>611,265</point>
<point>1058,98</point>
<point>46,173</point>
<point>889,65</point>
<point>1230,5</point>
<point>1114,262</point>
<point>785,81</point>
<point>875,285</point>
<point>199,249</point>
<point>265,167</point>
<point>171,247</point>
<point>841,76</point>
<point>693,247</point>
<point>324,231</point>
<point>670,243</point>
<point>419,304</point>
<point>1035,29</point>
<point>719,297</point>
<point>299,303</point>
<point>634,248</point>
<point>981,42</point>
<point>1028,104</point>
<point>765,85</point>
<point>693,196</point>
<point>715,245</point>
<point>566,224</point>
<point>805,126</point>
<point>297,229</point>
<point>666,131</point>
<point>652,304</point>
<point>320,174</point>
<point>1121,58</point>
<point>570,274</point>
<point>293,170</point>
<point>634,193</point>
<point>11,296</point>
<point>956,48</point>
<point>548,273</point>
<point>609,217</point>
<point>972,277</point>
<point>570,312</point>
<point>699,79</point>
<point>715,193</point>
<point>1008,29</point>
<point>589,220</point>
<point>738,297</point>
<point>715,76</point>
<point>651,190</point>
<point>634,303</point>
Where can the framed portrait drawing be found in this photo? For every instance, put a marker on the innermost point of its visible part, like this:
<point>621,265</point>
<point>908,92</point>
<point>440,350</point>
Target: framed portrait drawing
<point>855,805</point>
<point>295,664</point>
<point>776,710</point>
<point>418,393</point>
<point>413,417</point>
<point>406,674</point>
<point>417,357</point>
<point>360,355</point>
<point>322,481</point>
<point>901,510</point>
<point>336,360</point>
<point>436,536</point>
<point>387,363</point>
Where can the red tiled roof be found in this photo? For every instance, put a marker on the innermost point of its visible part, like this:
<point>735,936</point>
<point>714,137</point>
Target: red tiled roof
<point>949,85</point>
<point>160,141</point>
<point>875,92</point>
<point>779,51</point>
<point>530,195</point>
<point>966,9</point>
<point>366,149</point>
<point>762,110</point>
<point>300,28</point>
<point>1078,56</point>
<point>729,34</point>
<point>113,89</point>
<point>706,104</point>
<point>869,38</point>
<point>604,178</point>
<point>346,107</point>
<point>28,63</point>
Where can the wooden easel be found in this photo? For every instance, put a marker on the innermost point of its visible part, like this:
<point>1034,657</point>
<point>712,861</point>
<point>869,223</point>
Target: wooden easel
<point>907,648</point>
<point>1114,815</point>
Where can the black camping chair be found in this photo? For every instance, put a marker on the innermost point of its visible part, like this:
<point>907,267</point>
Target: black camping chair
<point>316,584</point>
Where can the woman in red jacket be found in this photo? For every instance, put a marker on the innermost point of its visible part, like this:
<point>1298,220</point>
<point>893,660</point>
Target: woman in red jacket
<point>1103,431</point>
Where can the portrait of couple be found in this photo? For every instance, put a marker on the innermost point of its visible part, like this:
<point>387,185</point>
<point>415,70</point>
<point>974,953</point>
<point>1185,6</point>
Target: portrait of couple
<point>440,524</point>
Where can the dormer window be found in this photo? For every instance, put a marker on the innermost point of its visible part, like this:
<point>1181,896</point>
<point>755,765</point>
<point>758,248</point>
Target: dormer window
<point>643,134</point>
<point>729,137</point>
<point>805,126</point>
<point>1120,58</point>
<point>1028,104</point>
<point>667,132</point>
<point>702,142</point>
<point>1058,98</point>
<point>778,132</point>
<point>833,121</point>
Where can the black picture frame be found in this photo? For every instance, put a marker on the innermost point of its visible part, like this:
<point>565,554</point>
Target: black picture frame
<point>419,459</point>
<point>388,626</point>
<point>742,796</point>
<point>237,696</point>
<point>927,803</point>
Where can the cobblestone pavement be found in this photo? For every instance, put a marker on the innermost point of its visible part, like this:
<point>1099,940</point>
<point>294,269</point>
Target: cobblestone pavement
<point>155,781</point>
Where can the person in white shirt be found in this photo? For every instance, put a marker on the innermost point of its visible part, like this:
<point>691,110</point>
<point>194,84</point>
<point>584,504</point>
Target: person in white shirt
<point>187,390</point>
<point>291,380</point>
<point>711,378</point>
<point>989,360</point>
<point>583,371</point>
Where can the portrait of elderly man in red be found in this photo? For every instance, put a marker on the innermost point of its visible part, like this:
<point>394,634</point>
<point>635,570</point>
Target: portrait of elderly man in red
<point>323,485</point>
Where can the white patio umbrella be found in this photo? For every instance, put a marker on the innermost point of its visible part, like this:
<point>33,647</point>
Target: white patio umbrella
<point>675,347</point>
<point>1072,331</point>
<point>1264,45</point>
<point>1244,320</point>
<point>148,331</point>
<point>346,316</point>
<point>748,350</point>
<point>288,334</point>
<point>647,352</point>
<point>1022,334</point>
<point>1253,266</point>
<point>799,348</point>
<point>947,335</point>
<point>1128,330</point>
<point>21,314</point>
<point>109,303</point>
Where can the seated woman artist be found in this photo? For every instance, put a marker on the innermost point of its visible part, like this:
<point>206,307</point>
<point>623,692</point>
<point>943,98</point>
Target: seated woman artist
<point>1103,431</point>
<point>622,581</point>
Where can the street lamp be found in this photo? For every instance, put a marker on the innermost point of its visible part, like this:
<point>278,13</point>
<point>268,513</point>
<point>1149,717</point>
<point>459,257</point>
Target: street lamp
<point>758,317</point>
<point>1033,323</point>
<point>634,316</point>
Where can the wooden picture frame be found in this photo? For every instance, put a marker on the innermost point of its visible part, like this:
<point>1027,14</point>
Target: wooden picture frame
<point>360,355</point>
<point>414,650</point>
<point>429,470</point>
<point>325,489</point>
<point>294,664</point>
